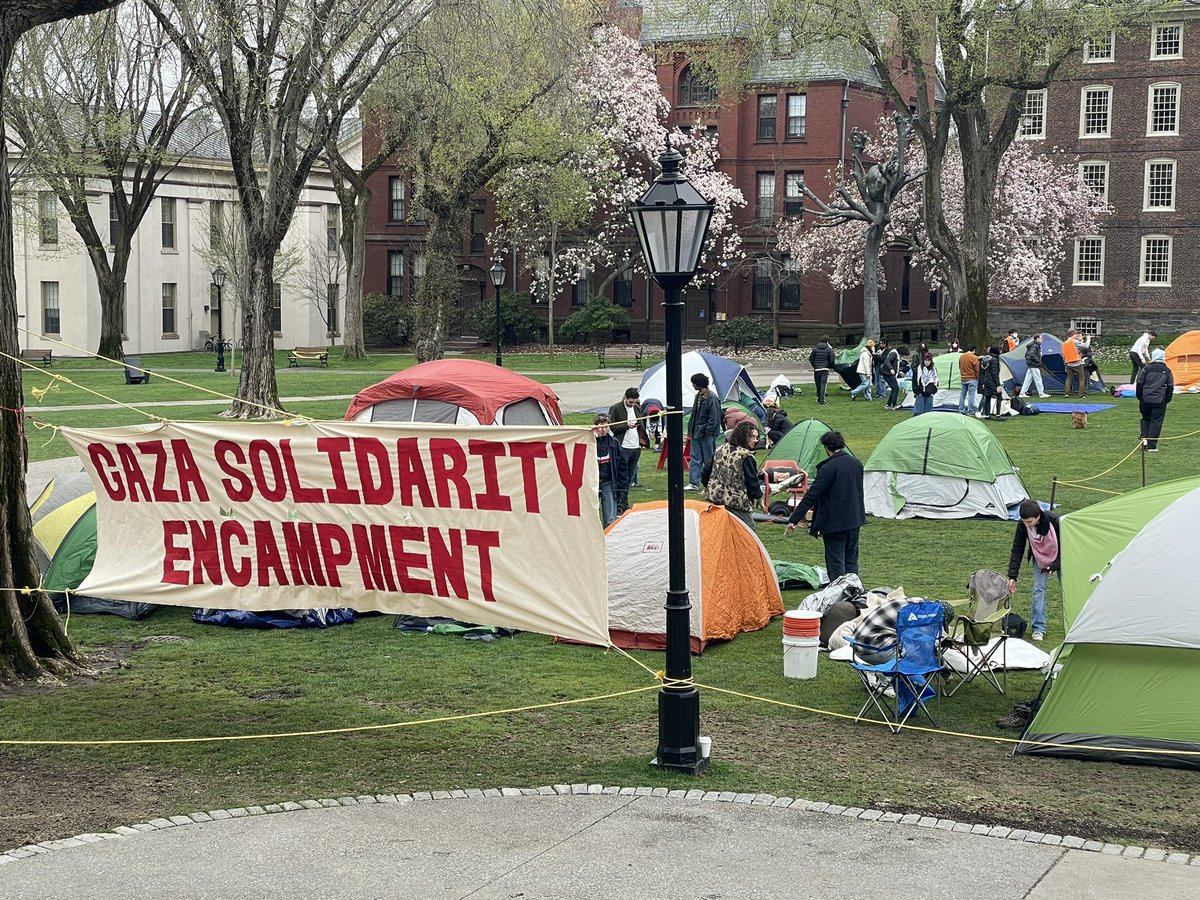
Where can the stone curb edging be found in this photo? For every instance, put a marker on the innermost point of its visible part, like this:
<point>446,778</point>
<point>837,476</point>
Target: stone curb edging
<point>1069,842</point>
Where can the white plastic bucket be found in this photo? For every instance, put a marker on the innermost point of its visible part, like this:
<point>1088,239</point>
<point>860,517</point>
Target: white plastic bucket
<point>800,657</point>
<point>705,746</point>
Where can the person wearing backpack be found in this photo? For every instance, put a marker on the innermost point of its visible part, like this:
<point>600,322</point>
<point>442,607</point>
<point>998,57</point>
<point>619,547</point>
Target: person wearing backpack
<point>1155,389</point>
<point>989,383</point>
<point>924,386</point>
<point>822,359</point>
<point>890,370</point>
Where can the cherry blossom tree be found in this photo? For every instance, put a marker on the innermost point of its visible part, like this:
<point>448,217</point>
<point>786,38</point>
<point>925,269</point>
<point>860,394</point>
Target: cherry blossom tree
<point>1040,205</point>
<point>570,210</point>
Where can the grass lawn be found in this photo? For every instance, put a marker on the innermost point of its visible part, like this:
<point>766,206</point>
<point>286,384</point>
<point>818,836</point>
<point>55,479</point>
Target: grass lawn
<point>168,677</point>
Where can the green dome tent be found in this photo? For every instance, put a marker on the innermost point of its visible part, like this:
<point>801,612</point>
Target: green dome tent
<point>803,445</point>
<point>941,466</point>
<point>1127,689</point>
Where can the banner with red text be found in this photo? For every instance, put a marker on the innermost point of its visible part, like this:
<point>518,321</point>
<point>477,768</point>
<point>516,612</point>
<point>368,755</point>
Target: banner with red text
<point>496,526</point>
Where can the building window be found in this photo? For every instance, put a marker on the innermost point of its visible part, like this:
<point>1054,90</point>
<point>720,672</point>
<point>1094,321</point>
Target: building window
<point>760,297</point>
<point>1099,49</point>
<point>1156,261</point>
<point>789,288</point>
<point>478,235</point>
<point>905,284</point>
<point>168,224</point>
<point>124,314</point>
<point>1089,326</point>
<point>793,196</point>
<point>48,218</point>
<point>114,222</point>
<point>579,290</point>
<point>766,117</point>
<point>168,309</point>
<point>693,91</point>
<point>1033,119</point>
<point>1167,42</point>
<point>331,308</point>
<point>418,272</point>
<point>1094,173</point>
<point>1162,109</point>
<point>277,308</point>
<point>1159,193</point>
<point>396,210</point>
<point>1089,260</point>
<point>395,278</point>
<point>933,301</point>
<point>764,207</point>
<point>623,287</point>
<point>216,225</point>
<point>1095,107</point>
<point>710,134</point>
<point>419,213</point>
<point>51,318</point>
<point>331,228</point>
<point>797,110</point>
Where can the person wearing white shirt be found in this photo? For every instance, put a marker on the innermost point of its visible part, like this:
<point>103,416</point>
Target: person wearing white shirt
<point>629,429</point>
<point>1139,354</point>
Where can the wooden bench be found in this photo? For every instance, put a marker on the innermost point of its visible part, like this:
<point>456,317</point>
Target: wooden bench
<point>318,355</point>
<point>45,357</point>
<point>625,352</point>
<point>133,371</point>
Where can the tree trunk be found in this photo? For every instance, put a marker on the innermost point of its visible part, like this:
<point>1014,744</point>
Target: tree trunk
<point>871,281</point>
<point>437,292</point>
<point>110,281</point>
<point>354,251</point>
<point>970,320</point>
<point>258,393</point>
<point>32,640</point>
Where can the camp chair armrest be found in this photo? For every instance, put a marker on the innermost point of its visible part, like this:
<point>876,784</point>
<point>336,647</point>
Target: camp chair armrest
<point>884,649</point>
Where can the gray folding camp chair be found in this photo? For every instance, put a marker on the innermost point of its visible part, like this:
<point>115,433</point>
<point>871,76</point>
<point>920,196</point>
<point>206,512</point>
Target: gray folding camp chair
<point>973,631</point>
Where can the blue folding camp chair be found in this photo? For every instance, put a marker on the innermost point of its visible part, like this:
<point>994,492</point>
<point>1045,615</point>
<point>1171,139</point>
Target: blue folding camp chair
<point>918,657</point>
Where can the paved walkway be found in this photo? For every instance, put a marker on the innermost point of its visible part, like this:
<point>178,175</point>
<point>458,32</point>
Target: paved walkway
<point>593,846</point>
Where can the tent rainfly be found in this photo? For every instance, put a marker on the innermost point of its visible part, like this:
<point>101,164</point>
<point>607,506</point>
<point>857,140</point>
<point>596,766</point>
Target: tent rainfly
<point>1183,359</point>
<point>802,445</point>
<point>1054,370</point>
<point>728,379</point>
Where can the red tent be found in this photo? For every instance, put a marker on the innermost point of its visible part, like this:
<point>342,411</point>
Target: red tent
<point>457,391</point>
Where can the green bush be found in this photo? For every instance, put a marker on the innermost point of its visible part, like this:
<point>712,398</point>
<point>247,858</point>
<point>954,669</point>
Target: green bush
<point>600,314</point>
<point>387,321</point>
<point>740,332</point>
<point>517,317</point>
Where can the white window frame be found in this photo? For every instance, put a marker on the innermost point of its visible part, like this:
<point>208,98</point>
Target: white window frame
<point>1146,238</point>
<point>1146,207</point>
<point>1150,107</point>
<point>1154,54</point>
<point>1039,135</point>
<point>1083,98</point>
<point>1075,279</point>
<point>1110,54</point>
<point>1102,197</point>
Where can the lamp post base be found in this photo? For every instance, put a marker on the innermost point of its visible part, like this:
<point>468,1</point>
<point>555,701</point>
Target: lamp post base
<point>679,717</point>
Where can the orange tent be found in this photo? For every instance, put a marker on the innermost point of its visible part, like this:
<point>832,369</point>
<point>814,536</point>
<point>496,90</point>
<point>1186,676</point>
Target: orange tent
<point>730,579</point>
<point>1183,359</point>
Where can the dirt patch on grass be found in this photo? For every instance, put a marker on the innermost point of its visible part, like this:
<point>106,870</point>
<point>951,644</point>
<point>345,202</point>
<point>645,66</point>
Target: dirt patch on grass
<point>99,664</point>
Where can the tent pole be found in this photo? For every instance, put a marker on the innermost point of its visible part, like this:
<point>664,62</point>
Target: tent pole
<point>1053,490</point>
<point>1143,463</point>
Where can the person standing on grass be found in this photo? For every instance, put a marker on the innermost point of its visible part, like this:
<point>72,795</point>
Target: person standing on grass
<point>629,428</point>
<point>989,383</point>
<point>836,496</point>
<point>1139,354</point>
<point>612,468</point>
<point>1155,389</point>
<point>1033,374</point>
<point>889,370</point>
<point>732,481</point>
<point>703,429</point>
<point>865,370</point>
<point>924,386</point>
<point>968,373</point>
<point>1037,538</point>
<point>822,359</point>
<point>1075,363</point>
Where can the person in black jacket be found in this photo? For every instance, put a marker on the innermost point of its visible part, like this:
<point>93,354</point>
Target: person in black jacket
<point>611,461</point>
<point>822,359</point>
<point>778,424</point>
<point>836,496</point>
<point>1155,389</point>
<point>703,428</point>
<point>1037,538</point>
<point>990,391</point>
<point>1033,374</point>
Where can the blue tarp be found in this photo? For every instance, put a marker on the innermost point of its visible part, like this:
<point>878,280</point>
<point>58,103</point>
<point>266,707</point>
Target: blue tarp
<point>244,618</point>
<point>1054,370</point>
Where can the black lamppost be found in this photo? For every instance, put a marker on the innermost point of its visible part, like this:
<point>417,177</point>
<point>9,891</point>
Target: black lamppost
<point>671,220</point>
<point>218,277</point>
<point>497,274</point>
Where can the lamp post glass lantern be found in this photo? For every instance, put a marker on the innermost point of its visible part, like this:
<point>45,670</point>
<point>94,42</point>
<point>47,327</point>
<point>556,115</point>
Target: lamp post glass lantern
<point>497,275</point>
<point>671,222</point>
<point>218,279</point>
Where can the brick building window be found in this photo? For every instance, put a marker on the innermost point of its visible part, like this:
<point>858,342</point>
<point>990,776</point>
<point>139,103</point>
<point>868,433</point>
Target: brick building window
<point>1095,111</point>
<point>1033,119</point>
<point>478,231</point>
<point>789,288</point>
<point>395,276</point>
<point>760,297</point>
<point>1162,109</point>
<point>767,104</point>
<point>623,288</point>
<point>1156,261</point>
<point>1099,49</point>
<point>396,210</point>
<point>793,197</point>
<point>1094,173</point>
<point>693,91</point>
<point>579,290</point>
<point>797,116</point>
<point>1089,260</point>
<point>1166,41</point>
<point>764,206</point>
<point>1159,192</point>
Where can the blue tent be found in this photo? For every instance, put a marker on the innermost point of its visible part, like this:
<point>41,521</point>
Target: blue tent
<point>728,379</point>
<point>1054,370</point>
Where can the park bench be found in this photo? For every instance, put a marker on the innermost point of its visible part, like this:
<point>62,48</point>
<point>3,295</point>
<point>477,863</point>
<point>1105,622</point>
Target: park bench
<point>133,371</point>
<point>34,355</point>
<point>318,355</point>
<point>624,352</point>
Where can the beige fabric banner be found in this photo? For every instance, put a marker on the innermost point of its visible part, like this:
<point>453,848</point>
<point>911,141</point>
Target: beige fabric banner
<point>496,526</point>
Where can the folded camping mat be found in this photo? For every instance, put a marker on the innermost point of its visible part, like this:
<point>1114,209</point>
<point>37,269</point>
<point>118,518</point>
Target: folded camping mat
<point>1075,407</point>
<point>1019,655</point>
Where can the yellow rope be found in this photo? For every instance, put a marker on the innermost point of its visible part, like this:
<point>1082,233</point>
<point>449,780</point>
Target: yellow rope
<point>1106,471</point>
<point>1084,487</point>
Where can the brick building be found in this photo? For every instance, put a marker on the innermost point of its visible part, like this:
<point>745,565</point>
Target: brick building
<point>1126,110</point>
